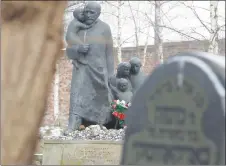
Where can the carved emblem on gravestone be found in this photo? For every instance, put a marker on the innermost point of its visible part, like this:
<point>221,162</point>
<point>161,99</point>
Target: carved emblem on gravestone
<point>182,116</point>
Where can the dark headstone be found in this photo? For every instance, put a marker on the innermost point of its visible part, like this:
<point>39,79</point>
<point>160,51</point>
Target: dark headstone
<point>178,115</point>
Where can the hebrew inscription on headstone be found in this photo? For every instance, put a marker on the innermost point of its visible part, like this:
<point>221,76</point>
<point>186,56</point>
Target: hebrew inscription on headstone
<point>82,153</point>
<point>181,110</point>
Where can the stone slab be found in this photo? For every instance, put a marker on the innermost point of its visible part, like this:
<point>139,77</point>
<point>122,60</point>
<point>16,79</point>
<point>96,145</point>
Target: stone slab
<point>178,116</point>
<point>60,152</point>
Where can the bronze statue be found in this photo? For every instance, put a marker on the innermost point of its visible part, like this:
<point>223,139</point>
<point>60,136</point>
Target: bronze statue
<point>123,71</point>
<point>137,77</point>
<point>75,26</point>
<point>123,92</point>
<point>90,94</point>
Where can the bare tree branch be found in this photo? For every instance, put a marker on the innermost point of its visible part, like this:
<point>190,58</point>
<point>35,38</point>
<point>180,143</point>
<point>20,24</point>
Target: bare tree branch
<point>122,3</point>
<point>192,8</point>
<point>124,41</point>
<point>165,13</point>
<point>161,3</point>
<point>171,28</point>
<point>195,32</point>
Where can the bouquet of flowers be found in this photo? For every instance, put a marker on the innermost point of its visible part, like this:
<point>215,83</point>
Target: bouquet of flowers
<point>118,111</point>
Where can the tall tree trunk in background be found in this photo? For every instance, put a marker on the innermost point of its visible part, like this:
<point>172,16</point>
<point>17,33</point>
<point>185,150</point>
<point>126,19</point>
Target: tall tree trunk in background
<point>213,42</point>
<point>56,92</point>
<point>31,43</point>
<point>119,42</point>
<point>158,33</point>
<point>135,30</point>
<point>146,46</point>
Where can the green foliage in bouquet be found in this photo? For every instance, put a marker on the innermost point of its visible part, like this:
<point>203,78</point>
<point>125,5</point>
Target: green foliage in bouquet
<point>118,111</point>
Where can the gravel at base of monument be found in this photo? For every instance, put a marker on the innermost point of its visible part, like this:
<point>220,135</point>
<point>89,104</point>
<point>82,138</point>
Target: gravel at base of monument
<point>93,132</point>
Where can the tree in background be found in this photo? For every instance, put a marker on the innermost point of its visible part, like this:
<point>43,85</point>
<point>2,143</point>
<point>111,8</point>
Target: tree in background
<point>213,41</point>
<point>211,26</point>
<point>158,33</point>
<point>119,26</point>
<point>136,27</point>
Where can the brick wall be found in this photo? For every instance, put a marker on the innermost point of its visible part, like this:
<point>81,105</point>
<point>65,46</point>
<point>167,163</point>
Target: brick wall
<point>65,72</point>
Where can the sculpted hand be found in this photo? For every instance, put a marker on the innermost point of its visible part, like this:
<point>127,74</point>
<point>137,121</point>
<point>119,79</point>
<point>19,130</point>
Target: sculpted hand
<point>83,48</point>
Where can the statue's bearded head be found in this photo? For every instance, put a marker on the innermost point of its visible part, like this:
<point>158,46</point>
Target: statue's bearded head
<point>122,84</point>
<point>91,12</point>
<point>123,70</point>
<point>135,65</point>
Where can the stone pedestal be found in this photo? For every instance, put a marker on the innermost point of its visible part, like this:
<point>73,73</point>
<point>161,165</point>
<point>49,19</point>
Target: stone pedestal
<point>58,152</point>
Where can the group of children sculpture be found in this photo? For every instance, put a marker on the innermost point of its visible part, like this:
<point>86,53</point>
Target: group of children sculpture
<point>127,80</point>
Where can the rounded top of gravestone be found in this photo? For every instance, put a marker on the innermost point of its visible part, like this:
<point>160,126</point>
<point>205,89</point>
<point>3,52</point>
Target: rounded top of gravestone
<point>177,116</point>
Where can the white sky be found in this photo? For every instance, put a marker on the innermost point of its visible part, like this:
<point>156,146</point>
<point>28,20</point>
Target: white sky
<point>176,16</point>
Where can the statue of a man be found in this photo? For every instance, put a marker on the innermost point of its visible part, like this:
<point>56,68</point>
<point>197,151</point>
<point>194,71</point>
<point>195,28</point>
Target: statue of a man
<point>90,94</point>
<point>137,77</point>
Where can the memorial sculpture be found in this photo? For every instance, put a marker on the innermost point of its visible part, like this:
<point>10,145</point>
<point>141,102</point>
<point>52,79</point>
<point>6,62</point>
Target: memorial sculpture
<point>72,37</point>
<point>181,114</point>
<point>123,91</point>
<point>93,65</point>
<point>123,71</point>
<point>137,77</point>
<point>75,26</point>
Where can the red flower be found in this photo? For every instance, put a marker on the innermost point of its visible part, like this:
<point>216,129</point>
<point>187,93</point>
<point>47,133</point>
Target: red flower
<point>115,114</point>
<point>121,116</point>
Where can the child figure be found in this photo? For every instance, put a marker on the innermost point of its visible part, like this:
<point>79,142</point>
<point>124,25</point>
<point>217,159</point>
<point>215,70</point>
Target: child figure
<point>137,77</point>
<point>75,25</point>
<point>123,92</point>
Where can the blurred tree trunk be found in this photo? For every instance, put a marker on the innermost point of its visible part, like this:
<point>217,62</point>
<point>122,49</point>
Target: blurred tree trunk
<point>31,43</point>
